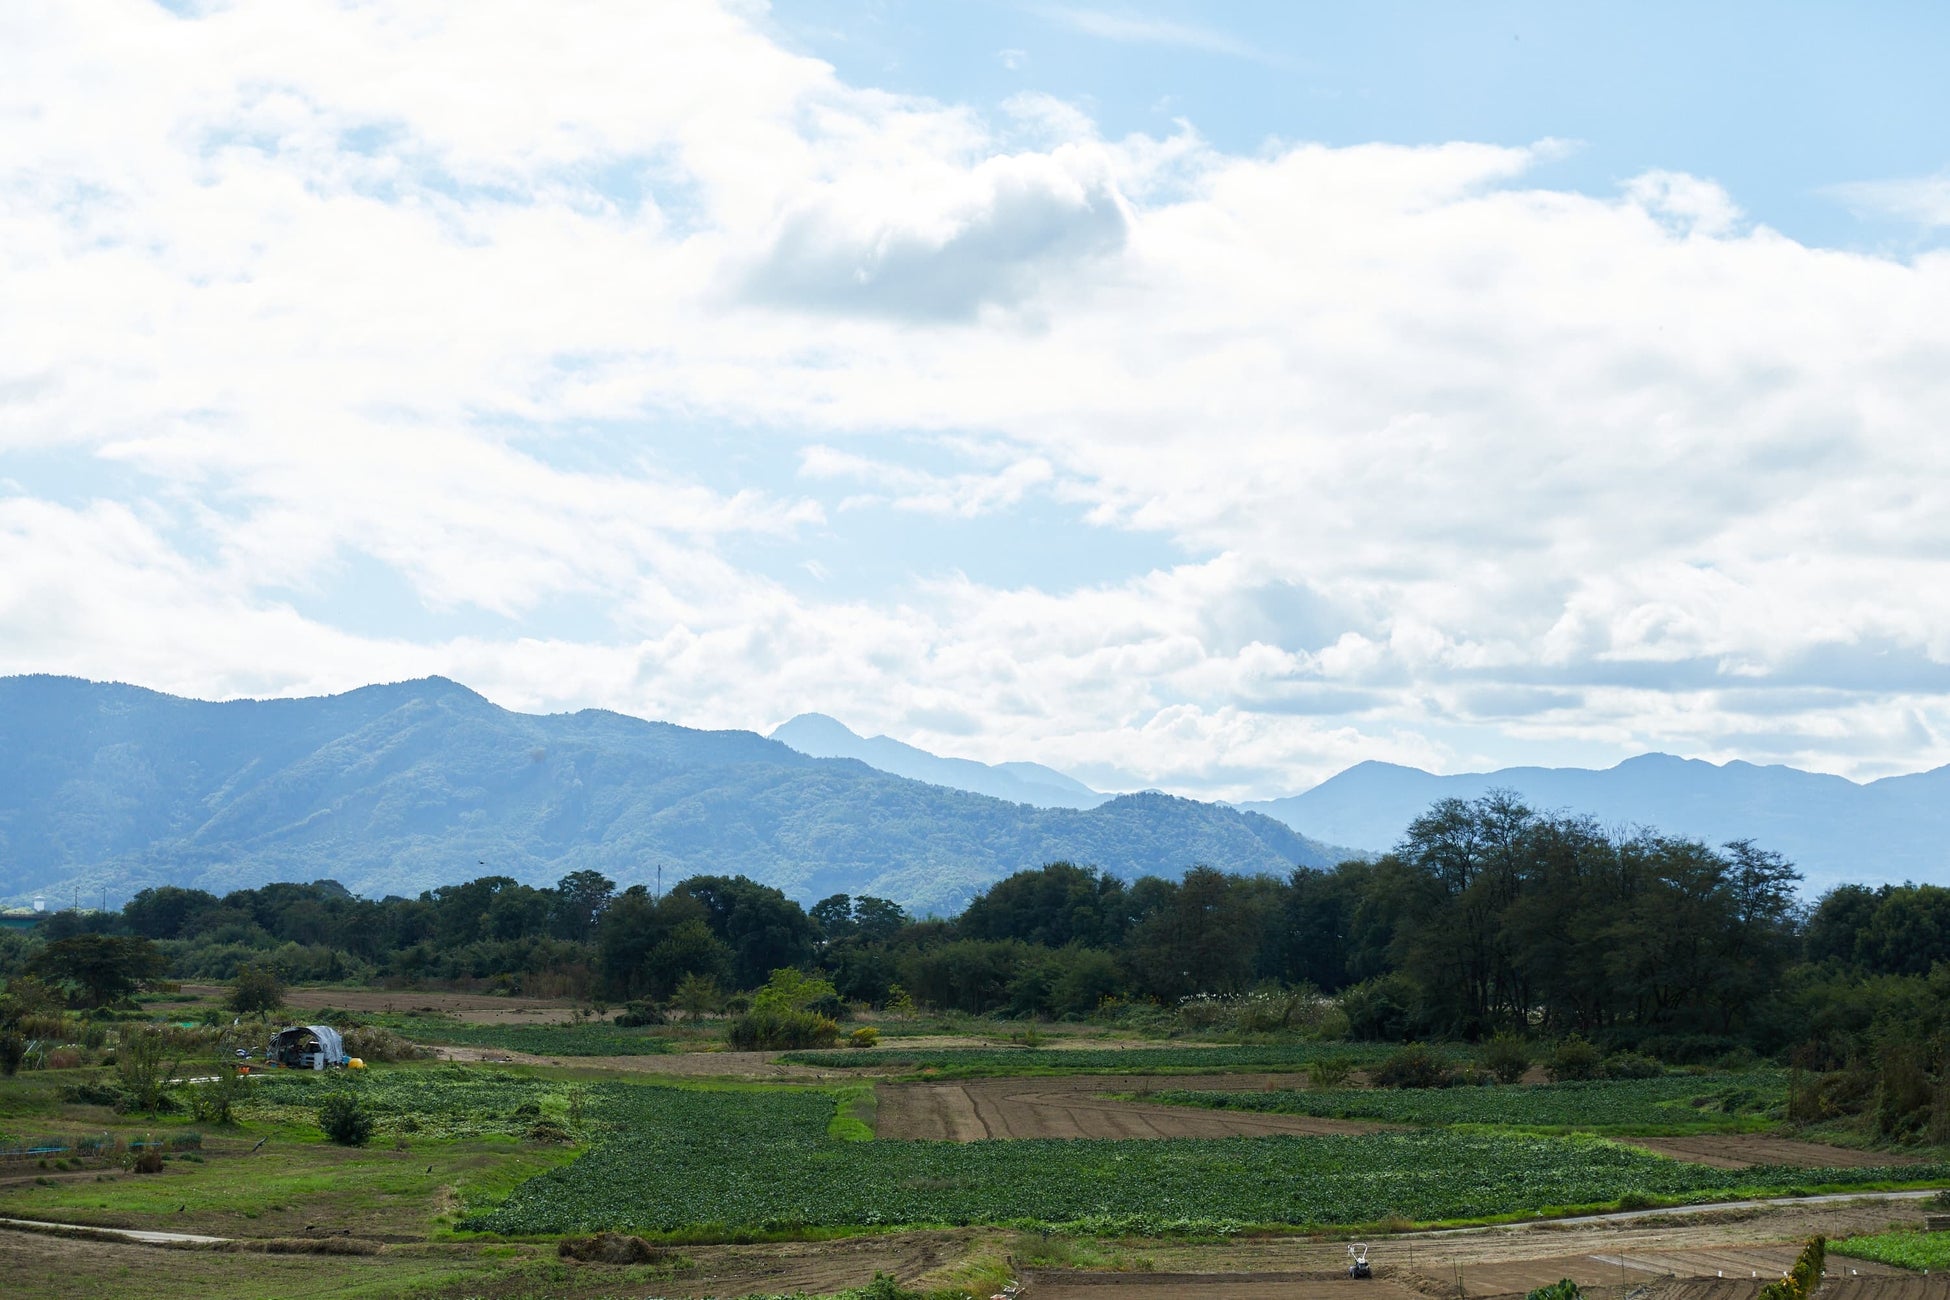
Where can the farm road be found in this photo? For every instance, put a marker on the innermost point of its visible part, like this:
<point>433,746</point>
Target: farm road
<point>971,1110</point>
<point>1743,1150</point>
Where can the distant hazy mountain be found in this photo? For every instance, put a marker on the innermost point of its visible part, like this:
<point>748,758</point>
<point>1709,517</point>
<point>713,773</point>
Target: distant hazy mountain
<point>395,789</point>
<point>1894,829</point>
<point>1030,783</point>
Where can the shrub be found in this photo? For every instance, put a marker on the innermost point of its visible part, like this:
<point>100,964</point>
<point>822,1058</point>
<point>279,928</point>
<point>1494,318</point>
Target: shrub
<point>216,1101</point>
<point>344,1120</point>
<point>638,1014</point>
<point>149,1162</point>
<point>371,1043</point>
<point>1329,1071</point>
<point>1631,1065</point>
<point>1380,1010</point>
<point>1507,1057</point>
<point>1562,1289</point>
<point>13,1050</point>
<point>256,988</point>
<point>864,1036</point>
<point>1414,1066</point>
<point>774,1029</point>
<point>1803,1279</point>
<point>1574,1059</point>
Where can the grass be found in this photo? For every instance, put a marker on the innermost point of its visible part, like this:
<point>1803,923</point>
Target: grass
<point>1918,1250</point>
<point>1670,1106</point>
<point>678,1160</point>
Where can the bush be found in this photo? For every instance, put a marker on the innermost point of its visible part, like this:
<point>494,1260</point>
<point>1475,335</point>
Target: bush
<point>344,1120</point>
<point>256,988</point>
<point>864,1036</point>
<point>1413,1067</point>
<point>1631,1065</point>
<point>149,1162</point>
<point>773,1029</point>
<point>1507,1057</point>
<point>371,1043</point>
<point>1380,1010</point>
<point>1562,1289</point>
<point>1573,1060</point>
<point>1329,1072</point>
<point>13,1050</point>
<point>638,1014</point>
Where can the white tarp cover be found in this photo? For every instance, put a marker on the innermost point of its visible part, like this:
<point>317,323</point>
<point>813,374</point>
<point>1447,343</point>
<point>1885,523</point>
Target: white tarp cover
<point>330,1043</point>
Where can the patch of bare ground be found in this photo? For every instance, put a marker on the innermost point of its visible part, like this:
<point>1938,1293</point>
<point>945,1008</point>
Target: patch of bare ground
<point>1075,1107</point>
<point>1621,1254</point>
<point>473,1008</point>
<point>1742,1150</point>
<point>701,1065</point>
<point>1239,1286</point>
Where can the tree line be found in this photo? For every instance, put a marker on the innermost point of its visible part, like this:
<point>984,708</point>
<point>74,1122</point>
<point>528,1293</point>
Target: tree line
<point>1488,917</point>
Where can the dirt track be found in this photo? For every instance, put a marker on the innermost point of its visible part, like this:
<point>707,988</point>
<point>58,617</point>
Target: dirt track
<point>1741,1150</point>
<point>1073,1107</point>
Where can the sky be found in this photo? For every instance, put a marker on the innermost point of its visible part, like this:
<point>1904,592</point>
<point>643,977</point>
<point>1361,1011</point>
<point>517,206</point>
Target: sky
<point>1201,397</point>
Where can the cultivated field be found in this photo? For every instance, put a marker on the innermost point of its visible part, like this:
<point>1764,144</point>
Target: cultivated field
<point>1075,1107</point>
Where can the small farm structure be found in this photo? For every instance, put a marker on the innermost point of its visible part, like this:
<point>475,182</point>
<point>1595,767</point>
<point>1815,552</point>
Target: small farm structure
<point>307,1047</point>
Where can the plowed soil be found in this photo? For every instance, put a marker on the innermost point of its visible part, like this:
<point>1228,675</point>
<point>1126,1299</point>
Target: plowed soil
<point>1074,1107</point>
<point>1741,1150</point>
<point>1220,1286</point>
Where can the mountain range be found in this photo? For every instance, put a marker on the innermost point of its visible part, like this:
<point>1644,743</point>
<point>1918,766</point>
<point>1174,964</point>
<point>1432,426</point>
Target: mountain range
<point>1030,783</point>
<point>105,789</point>
<point>1836,830</point>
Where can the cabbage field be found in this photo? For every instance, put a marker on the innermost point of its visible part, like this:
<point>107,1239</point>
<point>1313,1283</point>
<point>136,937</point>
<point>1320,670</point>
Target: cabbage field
<point>1672,1104</point>
<point>678,1159</point>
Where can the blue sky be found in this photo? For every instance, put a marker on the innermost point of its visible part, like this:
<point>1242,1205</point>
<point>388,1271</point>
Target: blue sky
<point>1200,397</point>
<point>1779,103</point>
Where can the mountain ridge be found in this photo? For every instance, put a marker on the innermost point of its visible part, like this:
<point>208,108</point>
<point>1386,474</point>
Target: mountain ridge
<point>820,736</point>
<point>400,787</point>
<point>1836,830</point>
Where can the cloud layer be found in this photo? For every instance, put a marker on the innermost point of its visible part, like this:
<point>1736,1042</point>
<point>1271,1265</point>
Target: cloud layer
<point>303,304</point>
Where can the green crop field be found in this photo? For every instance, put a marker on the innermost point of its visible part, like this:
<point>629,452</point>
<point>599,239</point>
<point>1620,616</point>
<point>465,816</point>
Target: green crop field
<point>1669,1105</point>
<point>679,1159</point>
<point>596,1039</point>
<point>973,1062</point>
<point>441,1101</point>
<point>1919,1250</point>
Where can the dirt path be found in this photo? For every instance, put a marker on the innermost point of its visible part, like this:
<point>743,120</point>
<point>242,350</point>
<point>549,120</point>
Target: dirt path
<point>1742,1150</point>
<point>971,1110</point>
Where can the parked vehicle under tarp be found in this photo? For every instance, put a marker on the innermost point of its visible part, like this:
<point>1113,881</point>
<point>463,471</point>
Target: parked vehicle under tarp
<point>307,1047</point>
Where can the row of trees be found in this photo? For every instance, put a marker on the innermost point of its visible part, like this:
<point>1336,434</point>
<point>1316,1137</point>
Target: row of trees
<point>1487,917</point>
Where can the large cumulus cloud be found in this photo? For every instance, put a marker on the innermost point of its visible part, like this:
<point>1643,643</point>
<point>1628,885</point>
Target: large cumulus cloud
<point>1457,466</point>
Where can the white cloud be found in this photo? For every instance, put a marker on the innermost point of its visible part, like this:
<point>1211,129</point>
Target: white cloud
<point>1136,29</point>
<point>1470,469</point>
<point>1924,200</point>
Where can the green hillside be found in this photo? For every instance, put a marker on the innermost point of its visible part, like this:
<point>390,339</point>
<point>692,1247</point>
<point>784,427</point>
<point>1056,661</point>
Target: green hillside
<point>398,788</point>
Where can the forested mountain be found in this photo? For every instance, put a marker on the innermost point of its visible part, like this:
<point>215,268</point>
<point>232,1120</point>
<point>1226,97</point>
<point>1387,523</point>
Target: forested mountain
<point>399,788</point>
<point>1030,783</point>
<point>1835,831</point>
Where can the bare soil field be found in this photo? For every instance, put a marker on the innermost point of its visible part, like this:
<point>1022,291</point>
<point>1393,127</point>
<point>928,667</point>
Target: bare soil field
<point>1221,1286</point>
<point>971,1110</point>
<point>1741,1150</point>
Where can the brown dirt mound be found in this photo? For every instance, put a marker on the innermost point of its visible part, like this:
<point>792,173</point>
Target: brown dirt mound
<point>1741,1150</point>
<point>974,1109</point>
<point>610,1248</point>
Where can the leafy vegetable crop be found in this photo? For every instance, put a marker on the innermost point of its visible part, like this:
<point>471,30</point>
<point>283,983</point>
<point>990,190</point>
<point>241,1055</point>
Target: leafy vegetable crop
<point>1902,1249</point>
<point>599,1039</point>
<point>439,1102</point>
<point>1675,1103</point>
<point>692,1159</point>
